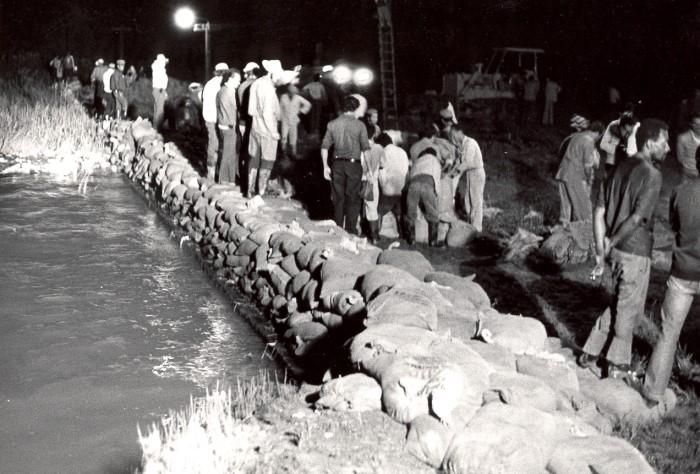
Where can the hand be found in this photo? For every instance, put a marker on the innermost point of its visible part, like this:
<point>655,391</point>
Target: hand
<point>598,269</point>
<point>327,173</point>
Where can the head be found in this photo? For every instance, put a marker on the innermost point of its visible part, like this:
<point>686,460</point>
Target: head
<point>596,128</point>
<point>220,69</point>
<point>99,62</point>
<point>579,123</point>
<point>695,123</point>
<point>250,70</point>
<point>350,104</point>
<point>231,78</point>
<point>162,59</point>
<point>652,139</point>
<point>373,116</point>
<point>457,134</point>
<point>429,131</point>
<point>273,67</point>
<point>371,132</point>
<point>627,123</point>
<point>383,139</point>
<point>292,90</point>
<point>121,64</point>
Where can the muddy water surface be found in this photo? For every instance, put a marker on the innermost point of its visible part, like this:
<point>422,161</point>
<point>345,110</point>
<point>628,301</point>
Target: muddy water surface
<point>105,323</point>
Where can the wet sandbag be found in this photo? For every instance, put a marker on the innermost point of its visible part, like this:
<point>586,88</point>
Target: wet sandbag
<point>382,278</point>
<point>260,257</point>
<point>428,440</point>
<point>299,281</point>
<point>404,307</point>
<point>520,335</point>
<point>391,339</point>
<point>464,286</point>
<point>600,454</point>
<point>354,392</point>
<point>411,261</point>
<point>460,234</point>
<point>339,274</point>
<point>503,439</point>
<point>210,215</point>
<point>306,337</point>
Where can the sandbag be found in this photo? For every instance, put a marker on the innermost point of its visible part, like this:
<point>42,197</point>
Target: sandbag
<point>295,319</point>
<point>498,357</point>
<point>305,337</point>
<point>328,319</point>
<point>599,454</point>
<point>354,392</point>
<point>299,281</point>
<point>404,307</point>
<point>524,390</point>
<point>305,253</point>
<point>237,260</point>
<point>518,334</point>
<point>382,278</point>
<point>390,339</point>
<point>341,274</point>
<point>553,370</point>
<point>460,234</point>
<point>260,257</point>
<point>279,279</point>
<point>428,440</point>
<point>262,235</point>
<point>310,294</point>
<point>464,286</point>
<point>289,265</point>
<point>287,242</point>
<point>247,247</point>
<point>344,303</point>
<point>237,234</point>
<point>412,261</point>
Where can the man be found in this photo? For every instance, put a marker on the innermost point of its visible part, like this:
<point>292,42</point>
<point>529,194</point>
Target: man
<point>107,90</point>
<point>576,173</point>
<point>117,82</point>
<point>96,81</point>
<point>686,147</point>
<point>681,288</point>
<point>530,91</point>
<point>348,137</point>
<point>227,118</point>
<point>423,189</point>
<point>392,176</point>
<point>618,140</point>
<point>70,70</point>
<point>56,65</point>
<point>551,95</point>
<point>315,91</point>
<point>370,164</point>
<point>211,88</point>
<point>291,105</point>
<point>264,109</point>
<point>159,78</point>
<point>623,231</point>
<point>470,164</point>
<point>251,72</point>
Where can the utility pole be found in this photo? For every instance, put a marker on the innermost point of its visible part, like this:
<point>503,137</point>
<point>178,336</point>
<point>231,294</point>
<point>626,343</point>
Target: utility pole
<point>120,30</point>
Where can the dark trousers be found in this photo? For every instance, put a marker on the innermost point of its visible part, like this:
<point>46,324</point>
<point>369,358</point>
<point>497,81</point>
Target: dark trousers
<point>346,181</point>
<point>421,194</point>
<point>229,156</point>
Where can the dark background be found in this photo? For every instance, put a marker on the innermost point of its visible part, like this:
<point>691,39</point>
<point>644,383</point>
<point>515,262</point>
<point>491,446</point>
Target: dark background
<point>646,48</point>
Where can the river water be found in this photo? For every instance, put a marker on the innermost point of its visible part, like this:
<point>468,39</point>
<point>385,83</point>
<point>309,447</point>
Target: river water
<point>105,324</point>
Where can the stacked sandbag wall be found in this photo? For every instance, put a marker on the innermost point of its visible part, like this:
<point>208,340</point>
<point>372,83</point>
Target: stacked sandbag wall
<point>478,390</point>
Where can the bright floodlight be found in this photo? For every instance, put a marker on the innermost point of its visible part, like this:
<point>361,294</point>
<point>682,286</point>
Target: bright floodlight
<point>327,68</point>
<point>185,18</point>
<point>363,77</point>
<point>342,74</point>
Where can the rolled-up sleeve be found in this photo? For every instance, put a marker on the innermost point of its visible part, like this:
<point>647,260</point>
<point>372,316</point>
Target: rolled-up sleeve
<point>327,139</point>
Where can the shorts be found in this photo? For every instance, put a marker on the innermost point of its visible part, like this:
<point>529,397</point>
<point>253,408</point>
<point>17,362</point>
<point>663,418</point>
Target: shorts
<point>262,151</point>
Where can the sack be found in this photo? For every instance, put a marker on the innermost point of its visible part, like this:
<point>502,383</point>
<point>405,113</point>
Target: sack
<point>367,192</point>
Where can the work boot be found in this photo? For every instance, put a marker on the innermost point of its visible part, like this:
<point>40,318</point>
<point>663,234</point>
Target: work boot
<point>263,177</point>
<point>252,180</point>
<point>211,172</point>
<point>433,235</point>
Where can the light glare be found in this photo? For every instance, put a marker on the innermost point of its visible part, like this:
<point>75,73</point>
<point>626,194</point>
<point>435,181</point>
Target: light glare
<point>184,18</point>
<point>342,74</point>
<point>363,77</point>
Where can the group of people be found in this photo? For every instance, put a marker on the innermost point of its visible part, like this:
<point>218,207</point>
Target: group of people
<point>622,215</point>
<point>111,81</point>
<point>526,88</point>
<point>368,172</point>
<point>63,69</point>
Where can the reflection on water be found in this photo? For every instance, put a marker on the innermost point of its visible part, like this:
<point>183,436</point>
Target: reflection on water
<point>104,322</point>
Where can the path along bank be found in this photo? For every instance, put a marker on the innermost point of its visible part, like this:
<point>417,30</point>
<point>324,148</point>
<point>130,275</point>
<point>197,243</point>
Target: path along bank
<point>478,391</point>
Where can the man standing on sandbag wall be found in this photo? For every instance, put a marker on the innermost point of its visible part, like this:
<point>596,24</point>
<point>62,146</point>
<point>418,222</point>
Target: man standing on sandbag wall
<point>211,88</point>
<point>226,121</point>
<point>469,163</point>
<point>159,79</point>
<point>623,229</point>
<point>118,85</point>
<point>264,109</point>
<point>348,137</point>
<point>681,288</point>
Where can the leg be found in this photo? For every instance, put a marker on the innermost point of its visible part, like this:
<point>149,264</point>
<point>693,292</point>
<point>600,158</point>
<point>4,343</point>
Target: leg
<point>293,137</point>
<point>254,162</point>
<point>580,199</point>
<point>679,297</point>
<point>338,187</point>
<point>212,149</point>
<point>564,203</point>
<point>284,134</point>
<point>412,203</point>
<point>227,170</point>
<point>268,150</point>
<point>476,180</point>
<point>353,200</point>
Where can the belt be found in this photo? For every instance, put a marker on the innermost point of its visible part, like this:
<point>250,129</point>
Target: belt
<point>351,160</point>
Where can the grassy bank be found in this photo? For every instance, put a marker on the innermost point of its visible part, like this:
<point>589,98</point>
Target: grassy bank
<point>41,120</point>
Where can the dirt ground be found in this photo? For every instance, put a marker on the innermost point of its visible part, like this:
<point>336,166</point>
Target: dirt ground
<point>519,180</point>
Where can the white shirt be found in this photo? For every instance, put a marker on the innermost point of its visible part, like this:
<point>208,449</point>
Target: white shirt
<point>291,107</point>
<point>159,76</point>
<point>211,88</point>
<point>105,80</point>
<point>393,169</point>
<point>264,107</point>
<point>609,142</point>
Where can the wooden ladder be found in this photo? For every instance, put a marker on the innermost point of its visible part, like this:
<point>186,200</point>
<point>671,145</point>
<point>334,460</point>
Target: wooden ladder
<point>387,70</point>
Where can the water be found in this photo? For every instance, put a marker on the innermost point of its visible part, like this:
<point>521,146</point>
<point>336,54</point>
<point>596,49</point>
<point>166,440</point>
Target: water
<point>105,323</point>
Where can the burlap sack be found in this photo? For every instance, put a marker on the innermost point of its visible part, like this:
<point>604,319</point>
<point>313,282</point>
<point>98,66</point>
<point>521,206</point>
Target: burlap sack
<point>411,261</point>
<point>403,307</point>
<point>354,392</point>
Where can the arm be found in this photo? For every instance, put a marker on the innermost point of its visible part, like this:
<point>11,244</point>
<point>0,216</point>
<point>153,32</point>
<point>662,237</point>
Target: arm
<point>324,160</point>
<point>599,229</point>
<point>305,105</point>
<point>608,143</point>
<point>643,207</point>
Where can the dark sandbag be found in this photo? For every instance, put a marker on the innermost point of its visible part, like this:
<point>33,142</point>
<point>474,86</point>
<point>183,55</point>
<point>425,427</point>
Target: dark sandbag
<point>210,214</point>
<point>299,281</point>
<point>279,302</point>
<point>305,337</point>
<point>237,234</point>
<point>279,279</point>
<point>237,260</point>
<point>341,274</point>
<point>328,319</point>
<point>344,303</point>
<point>310,293</point>
<point>247,247</point>
<point>412,261</point>
<point>404,307</point>
<point>287,242</point>
<point>289,265</point>
<point>382,278</point>
<point>260,257</point>
<point>295,319</point>
<point>460,234</point>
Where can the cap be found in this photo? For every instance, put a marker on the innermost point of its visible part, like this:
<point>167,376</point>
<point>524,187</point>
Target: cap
<point>272,65</point>
<point>578,122</point>
<point>221,67</point>
<point>111,65</point>
<point>99,62</point>
<point>161,57</point>
<point>250,66</point>
<point>121,61</point>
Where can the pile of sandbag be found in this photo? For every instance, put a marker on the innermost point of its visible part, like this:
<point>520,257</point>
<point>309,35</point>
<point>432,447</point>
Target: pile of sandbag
<point>570,244</point>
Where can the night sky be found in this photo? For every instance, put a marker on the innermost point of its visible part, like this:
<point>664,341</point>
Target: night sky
<point>648,49</point>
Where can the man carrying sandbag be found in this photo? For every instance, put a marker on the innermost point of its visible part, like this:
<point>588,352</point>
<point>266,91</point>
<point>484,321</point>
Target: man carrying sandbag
<point>424,179</point>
